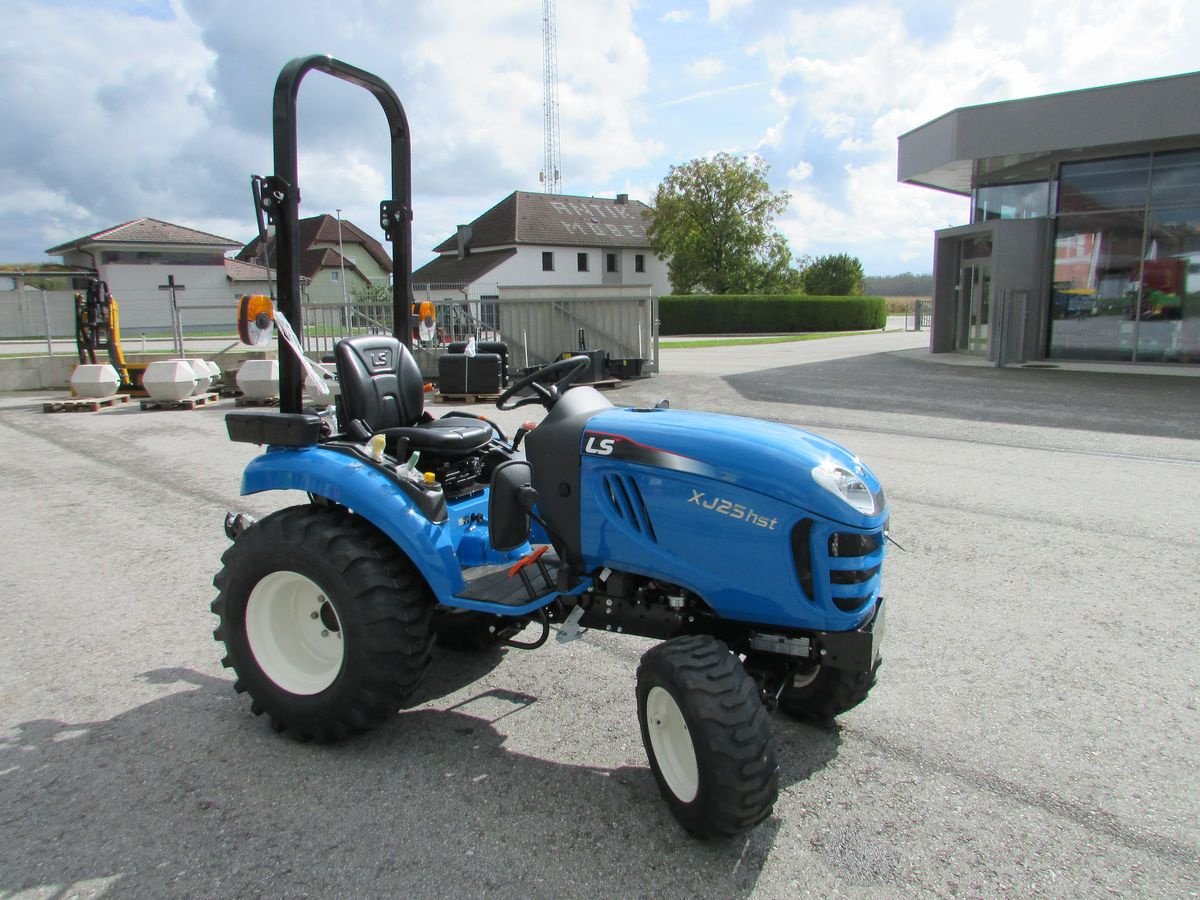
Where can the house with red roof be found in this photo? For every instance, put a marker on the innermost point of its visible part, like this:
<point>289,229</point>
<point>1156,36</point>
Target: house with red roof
<point>138,258</point>
<point>336,257</point>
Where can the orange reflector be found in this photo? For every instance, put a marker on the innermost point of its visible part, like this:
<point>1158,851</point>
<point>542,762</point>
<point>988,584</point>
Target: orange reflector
<point>255,317</point>
<point>528,560</point>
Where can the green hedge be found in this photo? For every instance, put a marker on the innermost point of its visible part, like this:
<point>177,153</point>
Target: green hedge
<point>768,314</point>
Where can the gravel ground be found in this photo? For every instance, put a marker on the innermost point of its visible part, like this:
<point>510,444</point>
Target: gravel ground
<point>1034,731</point>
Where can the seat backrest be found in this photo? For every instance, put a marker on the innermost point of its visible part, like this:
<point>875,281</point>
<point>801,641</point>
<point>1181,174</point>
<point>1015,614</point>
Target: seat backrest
<point>381,384</point>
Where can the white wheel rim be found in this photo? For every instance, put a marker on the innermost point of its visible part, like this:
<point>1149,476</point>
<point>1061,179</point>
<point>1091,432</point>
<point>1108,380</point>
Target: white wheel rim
<point>294,633</point>
<point>671,743</point>
<point>804,679</point>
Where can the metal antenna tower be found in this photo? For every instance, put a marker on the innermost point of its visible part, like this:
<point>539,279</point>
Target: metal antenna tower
<point>550,176</point>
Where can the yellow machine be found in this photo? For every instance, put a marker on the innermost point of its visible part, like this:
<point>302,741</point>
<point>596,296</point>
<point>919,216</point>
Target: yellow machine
<point>98,327</point>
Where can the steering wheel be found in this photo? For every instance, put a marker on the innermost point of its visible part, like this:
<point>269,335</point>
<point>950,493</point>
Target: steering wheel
<point>548,383</point>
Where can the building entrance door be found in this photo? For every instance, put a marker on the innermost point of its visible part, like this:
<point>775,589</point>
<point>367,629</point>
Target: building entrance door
<point>974,308</point>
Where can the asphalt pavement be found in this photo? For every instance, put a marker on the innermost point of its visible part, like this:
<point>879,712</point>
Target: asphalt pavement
<point>1034,731</point>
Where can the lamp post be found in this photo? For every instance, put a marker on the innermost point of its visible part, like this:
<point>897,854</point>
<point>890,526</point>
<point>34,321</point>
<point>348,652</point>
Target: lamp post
<point>342,265</point>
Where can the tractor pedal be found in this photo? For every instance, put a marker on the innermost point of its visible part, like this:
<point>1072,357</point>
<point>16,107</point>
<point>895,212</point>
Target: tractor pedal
<point>570,630</point>
<point>528,560</point>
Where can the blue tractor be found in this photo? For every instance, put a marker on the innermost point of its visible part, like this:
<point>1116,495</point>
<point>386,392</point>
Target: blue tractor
<point>751,550</point>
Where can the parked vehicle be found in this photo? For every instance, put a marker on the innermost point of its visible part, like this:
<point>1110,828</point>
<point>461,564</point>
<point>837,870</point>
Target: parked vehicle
<point>752,550</point>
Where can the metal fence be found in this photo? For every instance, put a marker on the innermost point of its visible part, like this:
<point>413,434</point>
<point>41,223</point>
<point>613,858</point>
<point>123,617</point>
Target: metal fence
<point>921,317</point>
<point>39,322</point>
<point>326,323</point>
<point>539,324</point>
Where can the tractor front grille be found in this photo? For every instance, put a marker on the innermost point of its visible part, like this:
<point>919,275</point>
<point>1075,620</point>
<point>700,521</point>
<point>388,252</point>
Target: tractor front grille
<point>837,568</point>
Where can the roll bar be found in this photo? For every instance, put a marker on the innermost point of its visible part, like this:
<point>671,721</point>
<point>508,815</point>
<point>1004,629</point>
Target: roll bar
<point>280,200</point>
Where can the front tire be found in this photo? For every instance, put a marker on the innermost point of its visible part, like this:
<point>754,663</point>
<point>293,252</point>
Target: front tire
<point>820,693</point>
<point>325,622</point>
<point>707,735</point>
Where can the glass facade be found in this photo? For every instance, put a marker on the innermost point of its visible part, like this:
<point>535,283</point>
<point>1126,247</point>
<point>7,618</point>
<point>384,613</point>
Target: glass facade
<point>1012,201</point>
<point>1126,282</point>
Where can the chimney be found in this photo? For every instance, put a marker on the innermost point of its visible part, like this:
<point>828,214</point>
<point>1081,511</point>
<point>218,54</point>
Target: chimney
<point>464,238</point>
<point>622,199</point>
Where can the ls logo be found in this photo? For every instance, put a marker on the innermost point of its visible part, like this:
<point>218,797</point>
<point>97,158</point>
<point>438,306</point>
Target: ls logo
<point>380,359</point>
<point>599,446</point>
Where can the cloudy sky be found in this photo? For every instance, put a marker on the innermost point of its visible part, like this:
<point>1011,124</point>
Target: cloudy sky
<point>115,109</point>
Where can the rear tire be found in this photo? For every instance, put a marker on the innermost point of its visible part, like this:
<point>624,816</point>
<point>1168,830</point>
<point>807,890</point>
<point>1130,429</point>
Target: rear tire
<point>325,622</point>
<point>821,693</point>
<point>707,735</point>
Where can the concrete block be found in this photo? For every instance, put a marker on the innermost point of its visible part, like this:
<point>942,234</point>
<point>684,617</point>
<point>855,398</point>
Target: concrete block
<point>95,380</point>
<point>169,379</point>
<point>258,379</point>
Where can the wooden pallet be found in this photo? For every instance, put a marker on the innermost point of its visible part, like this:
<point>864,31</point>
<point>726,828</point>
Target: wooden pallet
<point>85,404</point>
<point>185,403</point>
<point>256,401</point>
<point>466,398</point>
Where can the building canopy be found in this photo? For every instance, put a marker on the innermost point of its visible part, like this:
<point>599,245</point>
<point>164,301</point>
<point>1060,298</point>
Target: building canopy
<point>955,151</point>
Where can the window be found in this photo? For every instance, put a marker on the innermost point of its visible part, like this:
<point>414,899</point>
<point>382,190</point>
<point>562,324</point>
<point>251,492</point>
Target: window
<point>1090,187</point>
<point>639,263</point>
<point>583,265</point>
<point>160,258</point>
<point>335,275</point>
<point>489,311</point>
<point>1012,201</point>
<point>547,261</point>
<point>1127,250</point>
<point>610,262</point>
<point>1176,179</point>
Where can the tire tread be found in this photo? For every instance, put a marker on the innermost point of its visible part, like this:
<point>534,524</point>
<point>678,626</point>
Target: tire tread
<point>733,736</point>
<point>387,599</point>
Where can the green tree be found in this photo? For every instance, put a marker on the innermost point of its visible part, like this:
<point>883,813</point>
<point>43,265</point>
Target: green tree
<point>905,284</point>
<point>838,275</point>
<point>714,219</point>
<point>371,292</point>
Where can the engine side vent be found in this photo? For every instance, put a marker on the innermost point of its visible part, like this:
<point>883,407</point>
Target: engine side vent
<point>628,505</point>
<point>802,556</point>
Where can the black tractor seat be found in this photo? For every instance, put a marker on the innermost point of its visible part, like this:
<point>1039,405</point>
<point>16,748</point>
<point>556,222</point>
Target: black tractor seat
<point>448,437</point>
<point>382,392</point>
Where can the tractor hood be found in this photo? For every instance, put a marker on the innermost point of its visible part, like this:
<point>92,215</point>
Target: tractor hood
<point>773,459</point>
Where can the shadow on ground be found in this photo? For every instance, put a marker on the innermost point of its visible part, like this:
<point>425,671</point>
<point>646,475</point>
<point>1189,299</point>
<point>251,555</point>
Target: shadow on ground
<point>1155,405</point>
<point>191,795</point>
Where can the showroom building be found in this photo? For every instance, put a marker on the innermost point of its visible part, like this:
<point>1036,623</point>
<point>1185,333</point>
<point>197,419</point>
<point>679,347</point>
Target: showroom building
<point>1084,239</point>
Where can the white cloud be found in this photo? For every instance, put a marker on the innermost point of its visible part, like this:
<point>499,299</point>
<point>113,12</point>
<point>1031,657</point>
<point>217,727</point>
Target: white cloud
<point>706,68</point>
<point>169,116</point>
<point>801,171</point>
<point>884,223</point>
<point>719,9</point>
<point>712,92</point>
<point>850,79</point>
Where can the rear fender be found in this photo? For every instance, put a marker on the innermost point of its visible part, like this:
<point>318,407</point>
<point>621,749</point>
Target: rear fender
<point>369,493</point>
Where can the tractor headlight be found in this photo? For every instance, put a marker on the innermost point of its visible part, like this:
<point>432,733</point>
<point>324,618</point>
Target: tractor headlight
<point>845,484</point>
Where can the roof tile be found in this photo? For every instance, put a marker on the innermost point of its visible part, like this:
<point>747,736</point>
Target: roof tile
<point>148,231</point>
<point>452,269</point>
<point>524,217</point>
